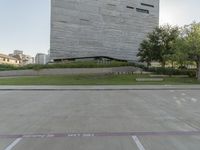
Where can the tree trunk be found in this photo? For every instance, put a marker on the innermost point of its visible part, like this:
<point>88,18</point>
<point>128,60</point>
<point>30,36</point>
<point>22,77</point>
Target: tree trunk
<point>163,64</point>
<point>172,64</point>
<point>148,64</point>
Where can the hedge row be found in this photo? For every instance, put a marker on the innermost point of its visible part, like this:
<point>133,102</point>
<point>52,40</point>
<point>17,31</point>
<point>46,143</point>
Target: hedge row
<point>168,71</point>
<point>96,64</point>
<point>78,64</point>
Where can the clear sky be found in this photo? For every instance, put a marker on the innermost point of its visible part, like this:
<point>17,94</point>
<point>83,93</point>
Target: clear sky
<point>25,24</point>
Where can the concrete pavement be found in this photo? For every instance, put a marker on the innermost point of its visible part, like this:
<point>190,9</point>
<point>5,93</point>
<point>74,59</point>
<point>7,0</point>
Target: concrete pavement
<point>101,87</point>
<point>160,117</point>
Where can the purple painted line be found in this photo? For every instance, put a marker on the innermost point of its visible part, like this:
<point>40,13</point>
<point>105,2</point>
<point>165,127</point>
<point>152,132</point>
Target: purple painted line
<point>102,134</point>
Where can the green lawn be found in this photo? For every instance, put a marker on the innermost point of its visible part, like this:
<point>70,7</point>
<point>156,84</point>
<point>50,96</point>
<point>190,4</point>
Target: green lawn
<point>93,80</point>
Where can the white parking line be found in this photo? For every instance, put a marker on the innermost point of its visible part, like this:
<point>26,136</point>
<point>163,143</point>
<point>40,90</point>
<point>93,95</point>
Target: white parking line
<point>13,144</point>
<point>138,143</point>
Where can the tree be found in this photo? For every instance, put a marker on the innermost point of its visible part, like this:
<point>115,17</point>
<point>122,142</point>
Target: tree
<point>157,46</point>
<point>145,53</point>
<point>192,37</point>
<point>180,51</point>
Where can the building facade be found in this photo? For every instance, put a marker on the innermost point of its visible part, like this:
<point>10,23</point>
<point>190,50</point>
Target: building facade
<point>23,58</point>
<point>41,58</point>
<point>18,52</point>
<point>107,28</point>
<point>5,59</point>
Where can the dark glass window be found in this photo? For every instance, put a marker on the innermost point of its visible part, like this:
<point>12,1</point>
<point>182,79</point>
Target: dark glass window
<point>147,5</point>
<point>111,5</point>
<point>85,20</point>
<point>63,21</point>
<point>142,10</point>
<point>130,7</point>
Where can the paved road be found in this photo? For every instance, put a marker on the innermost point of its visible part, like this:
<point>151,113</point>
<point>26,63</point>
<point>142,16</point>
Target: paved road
<point>100,118</point>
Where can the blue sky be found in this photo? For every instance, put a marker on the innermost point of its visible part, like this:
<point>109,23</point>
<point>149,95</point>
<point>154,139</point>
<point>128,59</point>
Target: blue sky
<point>25,24</point>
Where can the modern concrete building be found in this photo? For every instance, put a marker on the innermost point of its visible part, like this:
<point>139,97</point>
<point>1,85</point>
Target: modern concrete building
<point>107,28</point>
<point>41,58</point>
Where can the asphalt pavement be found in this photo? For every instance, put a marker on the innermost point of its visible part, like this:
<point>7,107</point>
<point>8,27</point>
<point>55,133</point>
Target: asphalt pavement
<point>100,117</point>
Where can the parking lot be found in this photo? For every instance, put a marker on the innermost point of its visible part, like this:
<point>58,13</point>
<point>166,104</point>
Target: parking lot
<point>100,118</point>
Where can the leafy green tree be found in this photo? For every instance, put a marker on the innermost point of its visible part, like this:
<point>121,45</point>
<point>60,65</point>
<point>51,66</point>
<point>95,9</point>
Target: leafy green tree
<point>145,52</point>
<point>180,55</point>
<point>157,46</point>
<point>192,37</point>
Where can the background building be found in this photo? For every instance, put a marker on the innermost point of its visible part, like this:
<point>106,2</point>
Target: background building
<point>17,52</point>
<point>5,59</point>
<point>93,28</point>
<point>24,59</point>
<point>41,58</point>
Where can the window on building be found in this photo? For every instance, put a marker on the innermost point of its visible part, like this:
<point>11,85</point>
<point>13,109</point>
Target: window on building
<point>142,10</point>
<point>130,7</point>
<point>148,5</point>
<point>113,5</point>
<point>86,20</point>
<point>63,21</point>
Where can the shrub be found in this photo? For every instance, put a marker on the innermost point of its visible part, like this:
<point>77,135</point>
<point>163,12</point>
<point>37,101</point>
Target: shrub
<point>4,67</point>
<point>171,71</point>
<point>78,64</point>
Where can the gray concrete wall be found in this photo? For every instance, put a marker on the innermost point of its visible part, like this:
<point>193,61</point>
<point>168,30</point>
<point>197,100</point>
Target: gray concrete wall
<point>67,71</point>
<point>88,28</point>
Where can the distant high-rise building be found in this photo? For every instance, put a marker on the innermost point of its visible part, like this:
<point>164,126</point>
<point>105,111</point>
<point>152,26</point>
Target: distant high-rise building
<point>41,58</point>
<point>100,28</point>
<point>18,52</point>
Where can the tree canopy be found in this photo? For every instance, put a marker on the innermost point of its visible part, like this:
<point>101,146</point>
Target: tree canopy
<point>175,44</point>
<point>158,45</point>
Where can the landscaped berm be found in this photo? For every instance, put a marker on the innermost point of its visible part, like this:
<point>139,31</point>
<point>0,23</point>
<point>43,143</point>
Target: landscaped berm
<point>96,80</point>
<point>141,76</point>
